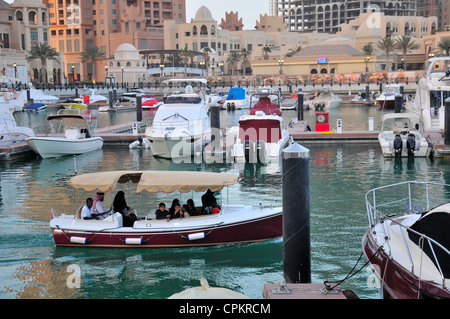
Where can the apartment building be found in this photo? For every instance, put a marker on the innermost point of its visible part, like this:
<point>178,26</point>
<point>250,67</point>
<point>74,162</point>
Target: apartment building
<point>75,24</point>
<point>24,24</point>
<point>438,8</point>
<point>327,15</point>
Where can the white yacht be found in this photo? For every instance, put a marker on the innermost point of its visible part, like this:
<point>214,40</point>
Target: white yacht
<point>386,100</point>
<point>432,91</point>
<point>90,96</point>
<point>401,135</point>
<point>325,100</point>
<point>10,133</point>
<point>181,127</point>
<point>39,96</point>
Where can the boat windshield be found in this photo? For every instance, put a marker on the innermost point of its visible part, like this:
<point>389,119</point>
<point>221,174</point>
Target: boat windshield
<point>440,66</point>
<point>437,98</point>
<point>180,99</point>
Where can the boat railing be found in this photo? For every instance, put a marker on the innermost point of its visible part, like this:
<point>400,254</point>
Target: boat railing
<point>418,193</point>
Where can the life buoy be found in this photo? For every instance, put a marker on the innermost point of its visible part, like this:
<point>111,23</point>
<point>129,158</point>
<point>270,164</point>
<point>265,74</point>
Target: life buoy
<point>320,118</point>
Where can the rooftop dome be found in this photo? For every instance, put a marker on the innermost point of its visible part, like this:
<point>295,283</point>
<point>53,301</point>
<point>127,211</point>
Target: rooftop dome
<point>203,13</point>
<point>126,51</point>
<point>126,47</point>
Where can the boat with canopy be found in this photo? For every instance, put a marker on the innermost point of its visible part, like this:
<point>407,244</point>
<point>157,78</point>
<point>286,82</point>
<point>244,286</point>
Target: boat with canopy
<point>234,223</point>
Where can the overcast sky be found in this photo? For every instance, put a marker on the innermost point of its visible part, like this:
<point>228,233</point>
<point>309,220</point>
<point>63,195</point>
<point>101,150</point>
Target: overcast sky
<point>249,10</point>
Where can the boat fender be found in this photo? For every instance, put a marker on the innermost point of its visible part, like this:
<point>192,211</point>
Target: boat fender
<point>134,241</point>
<point>79,240</point>
<point>196,236</point>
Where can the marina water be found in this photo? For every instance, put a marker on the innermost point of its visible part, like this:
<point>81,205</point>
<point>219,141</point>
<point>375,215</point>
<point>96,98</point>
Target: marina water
<point>32,267</point>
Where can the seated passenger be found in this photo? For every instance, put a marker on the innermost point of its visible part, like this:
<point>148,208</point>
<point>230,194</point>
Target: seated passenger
<point>120,206</point>
<point>162,213</point>
<point>86,212</point>
<point>209,202</point>
<point>98,207</point>
<point>174,203</point>
<point>178,213</point>
<point>191,208</point>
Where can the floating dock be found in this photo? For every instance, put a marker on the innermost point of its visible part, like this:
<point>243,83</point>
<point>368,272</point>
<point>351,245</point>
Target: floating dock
<point>305,291</point>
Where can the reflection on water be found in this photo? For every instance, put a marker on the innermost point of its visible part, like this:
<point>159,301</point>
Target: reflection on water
<point>32,267</point>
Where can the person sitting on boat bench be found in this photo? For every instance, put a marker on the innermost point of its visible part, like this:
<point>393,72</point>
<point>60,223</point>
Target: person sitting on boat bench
<point>120,206</point>
<point>98,209</point>
<point>86,211</point>
<point>162,213</point>
<point>177,213</point>
<point>191,207</point>
<point>209,202</point>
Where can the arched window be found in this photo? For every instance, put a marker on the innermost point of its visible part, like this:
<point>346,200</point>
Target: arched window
<point>128,63</point>
<point>313,71</point>
<point>194,30</point>
<point>204,30</point>
<point>19,16</point>
<point>323,71</point>
<point>32,17</point>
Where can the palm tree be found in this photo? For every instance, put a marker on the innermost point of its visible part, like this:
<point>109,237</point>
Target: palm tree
<point>368,49</point>
<point>43,52</point>
<point>186,55</point>
<point>444,47</point>
<point>206,52</point>
<point>293,51</point>
<point>233,58</point>
<point>405,43</point>
<point>244,55</point>
<point>266,50</point>
<point>387,44</point>
<point>92,54</point>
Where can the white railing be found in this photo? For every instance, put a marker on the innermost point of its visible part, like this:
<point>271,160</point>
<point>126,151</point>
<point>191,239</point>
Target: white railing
<point>413,197</point>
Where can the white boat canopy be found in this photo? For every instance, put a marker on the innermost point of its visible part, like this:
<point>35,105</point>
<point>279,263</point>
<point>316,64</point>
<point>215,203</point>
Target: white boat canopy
<point>154,181</point>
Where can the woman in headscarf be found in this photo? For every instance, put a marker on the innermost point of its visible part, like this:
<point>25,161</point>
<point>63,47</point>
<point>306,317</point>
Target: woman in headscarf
<point>120,206</point>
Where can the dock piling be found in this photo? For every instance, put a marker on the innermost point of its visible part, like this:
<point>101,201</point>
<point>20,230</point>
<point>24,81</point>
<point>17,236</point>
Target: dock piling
<point>300,107</point>
<point>447,125</point>
<point>398,103</point>
<point>296,214</point>
<point>139,108</point>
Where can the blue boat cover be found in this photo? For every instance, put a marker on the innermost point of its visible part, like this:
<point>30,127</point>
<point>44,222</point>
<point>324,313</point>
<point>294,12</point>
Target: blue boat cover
<point>236,94</point>
<point>34,106</point>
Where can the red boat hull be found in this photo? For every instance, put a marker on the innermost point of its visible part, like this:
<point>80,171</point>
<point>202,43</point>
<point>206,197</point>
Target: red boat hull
<point>243,232</point>
<point>397,282</point>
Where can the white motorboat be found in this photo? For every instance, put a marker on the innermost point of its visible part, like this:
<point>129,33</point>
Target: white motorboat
<point>181,127</point>
<point>325,100</point>
<point>432,91</point>
<point>131,94</point>
<point>88,96</point>
<point>401,135</point>
<point>260,136</point>
<point>237,99</point>
<point>407,242</point>
<point>10,133</point>
<point>39,96</point>
<point>386,100</point>
<point>78,136</point>
<point>234,223</point>
<point>10,98</point>
<point>74,104</point>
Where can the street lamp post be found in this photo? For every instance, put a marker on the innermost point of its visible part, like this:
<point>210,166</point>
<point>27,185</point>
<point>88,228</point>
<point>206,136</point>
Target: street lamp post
<point>73,74</point>
<point>221,67</point>
<point>202,64</point>
<point>366,60</point>
<point>122,76</point>
<point>280,63</point>
<point>213,67</point>
<point>161,66</point>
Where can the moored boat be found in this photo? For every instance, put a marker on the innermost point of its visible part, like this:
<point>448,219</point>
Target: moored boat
<point>407,243</point>
<point>74,104</point>
<point>77,136</point>
<point>260,135</point>
<point>386,100</point>
<point>401,135</point>
<point>237,99</point>
<point>233,224</point>
<point>325,100</point>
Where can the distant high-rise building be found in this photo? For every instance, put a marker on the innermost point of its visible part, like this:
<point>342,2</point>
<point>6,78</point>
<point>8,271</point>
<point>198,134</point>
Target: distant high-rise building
<point>327,15</point>
<point>437,8</point>
<point>75,24</point>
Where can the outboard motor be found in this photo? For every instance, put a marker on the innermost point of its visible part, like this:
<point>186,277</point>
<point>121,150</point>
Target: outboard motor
<point>411,145</point>
<point>261,151</point>
<point>398,145</point>
<point>249,152</point>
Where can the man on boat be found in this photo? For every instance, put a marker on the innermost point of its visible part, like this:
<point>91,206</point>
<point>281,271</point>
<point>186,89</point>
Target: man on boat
<point>98,209</point>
